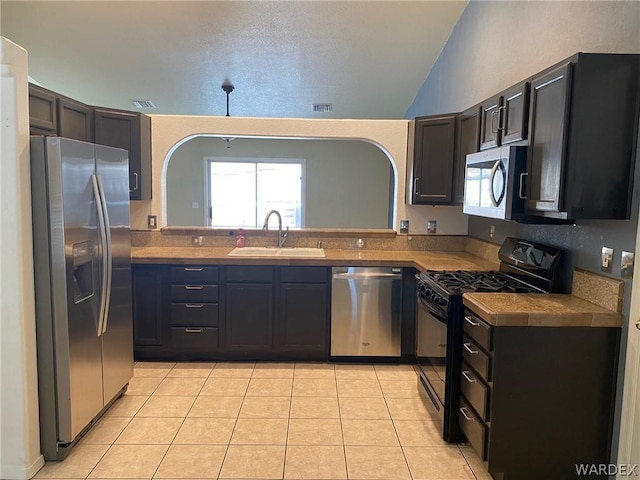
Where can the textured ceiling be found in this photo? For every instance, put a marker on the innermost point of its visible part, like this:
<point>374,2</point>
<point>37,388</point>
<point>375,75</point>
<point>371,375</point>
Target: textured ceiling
<point>368,59</point>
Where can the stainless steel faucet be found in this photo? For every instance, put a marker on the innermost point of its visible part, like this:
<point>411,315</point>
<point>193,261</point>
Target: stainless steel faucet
<point>282,237</point>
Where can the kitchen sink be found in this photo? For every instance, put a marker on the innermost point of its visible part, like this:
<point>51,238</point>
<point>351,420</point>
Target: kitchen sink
<point>277,252</point>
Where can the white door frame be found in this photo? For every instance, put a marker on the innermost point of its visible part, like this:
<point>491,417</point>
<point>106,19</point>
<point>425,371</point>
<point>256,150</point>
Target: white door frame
<point>629,438</point>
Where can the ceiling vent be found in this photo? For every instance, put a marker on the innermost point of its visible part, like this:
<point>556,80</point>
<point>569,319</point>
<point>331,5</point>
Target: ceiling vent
<point>322,107</point>
<point>143,104</point>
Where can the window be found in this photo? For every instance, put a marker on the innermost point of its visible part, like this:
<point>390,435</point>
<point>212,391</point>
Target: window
<point>242,191</point>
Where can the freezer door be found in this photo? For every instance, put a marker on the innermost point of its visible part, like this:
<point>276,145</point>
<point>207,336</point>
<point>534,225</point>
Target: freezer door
<point>112,170</point>
<point>67,287</point>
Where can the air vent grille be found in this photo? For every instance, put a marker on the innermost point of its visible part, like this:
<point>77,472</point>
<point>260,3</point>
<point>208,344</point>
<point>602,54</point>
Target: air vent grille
<point>143,104</point>
<point>322,107</point>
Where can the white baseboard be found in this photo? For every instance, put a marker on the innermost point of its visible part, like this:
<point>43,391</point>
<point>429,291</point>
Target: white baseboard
<point>21,472</point>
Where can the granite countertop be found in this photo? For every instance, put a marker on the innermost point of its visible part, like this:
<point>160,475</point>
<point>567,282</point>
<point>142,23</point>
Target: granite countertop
<point>498,309</point>
<point>539,310</point>
<point>422,260</point>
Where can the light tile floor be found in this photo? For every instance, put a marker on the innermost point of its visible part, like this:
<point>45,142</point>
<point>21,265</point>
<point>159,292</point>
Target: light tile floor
<point>268,421</point>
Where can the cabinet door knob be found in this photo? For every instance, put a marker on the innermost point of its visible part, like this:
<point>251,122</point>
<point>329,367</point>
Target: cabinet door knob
<point>638,324</point>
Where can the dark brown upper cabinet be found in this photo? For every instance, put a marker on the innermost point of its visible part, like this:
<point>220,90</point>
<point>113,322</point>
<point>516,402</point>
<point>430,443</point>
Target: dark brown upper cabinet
<point>504,117</point>
<point>53,114</point>
<point>490,122</point>
<point>431,180</point>
<point>582,140</point>
<point>43,111</point>
<point>514,119</point>
<point>75,120</point>
<point>131,131</point>
<point>467,141</point>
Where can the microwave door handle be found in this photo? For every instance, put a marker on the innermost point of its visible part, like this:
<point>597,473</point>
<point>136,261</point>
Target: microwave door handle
<point>492,178</point>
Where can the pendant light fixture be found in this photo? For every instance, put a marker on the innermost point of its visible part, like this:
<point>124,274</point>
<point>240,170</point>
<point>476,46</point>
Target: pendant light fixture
<point>228,88</point>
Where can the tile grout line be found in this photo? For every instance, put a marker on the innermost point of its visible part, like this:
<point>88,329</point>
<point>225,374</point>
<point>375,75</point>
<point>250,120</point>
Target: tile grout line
<point>235,423</point>
<point>130,420</point>
<point>174,436</point>
<point>473,472</point>
<point>394,428</point>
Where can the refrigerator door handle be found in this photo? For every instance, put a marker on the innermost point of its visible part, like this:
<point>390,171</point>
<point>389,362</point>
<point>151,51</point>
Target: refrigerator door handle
<point>103,248</point>
<point>109,260</point>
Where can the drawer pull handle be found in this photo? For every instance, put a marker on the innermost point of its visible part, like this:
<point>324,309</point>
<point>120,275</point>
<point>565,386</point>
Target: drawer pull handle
<point>463,411</point>
<point>465,374</point>
<point>193,305</point>
<point>193,330</point>
<point>467,345</point>
<point>471,322</point>
<point>194,287</point>
<point>193,269</point>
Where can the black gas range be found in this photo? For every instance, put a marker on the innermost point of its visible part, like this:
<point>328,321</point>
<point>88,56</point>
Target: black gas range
<point>525,267</point>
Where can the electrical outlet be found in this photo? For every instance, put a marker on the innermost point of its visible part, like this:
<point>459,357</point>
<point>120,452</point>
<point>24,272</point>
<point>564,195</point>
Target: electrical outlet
<point>152,221</point>
<point>606,261</point>
<point>432,227</point>
<point>626,265</point>
<point>492,232</point>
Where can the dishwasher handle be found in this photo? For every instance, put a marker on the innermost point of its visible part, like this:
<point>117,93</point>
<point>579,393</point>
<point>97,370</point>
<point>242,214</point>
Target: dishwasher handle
<point>362,276</point>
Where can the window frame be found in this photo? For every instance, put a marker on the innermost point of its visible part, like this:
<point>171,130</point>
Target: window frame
<point>207,184</point>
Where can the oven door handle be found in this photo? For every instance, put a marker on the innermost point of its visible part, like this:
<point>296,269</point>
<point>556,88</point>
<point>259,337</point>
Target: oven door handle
<point>438,316</point>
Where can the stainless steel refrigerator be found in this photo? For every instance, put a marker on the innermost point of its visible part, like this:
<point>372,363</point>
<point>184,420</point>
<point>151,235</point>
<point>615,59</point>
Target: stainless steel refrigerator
<point>80,195</point>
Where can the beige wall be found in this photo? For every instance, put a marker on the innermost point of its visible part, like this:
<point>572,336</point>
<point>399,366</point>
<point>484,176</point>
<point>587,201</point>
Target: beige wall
<point>20,456</point>
<point>345,183</point>
<point>169,131</point>
<point>498,43</point>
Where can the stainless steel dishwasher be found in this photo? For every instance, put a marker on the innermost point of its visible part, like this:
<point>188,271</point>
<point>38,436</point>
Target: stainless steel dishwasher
<point>366,311</point>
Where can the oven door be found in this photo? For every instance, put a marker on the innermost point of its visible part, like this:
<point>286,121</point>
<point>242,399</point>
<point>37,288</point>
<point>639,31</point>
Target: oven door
<point>431,354</point>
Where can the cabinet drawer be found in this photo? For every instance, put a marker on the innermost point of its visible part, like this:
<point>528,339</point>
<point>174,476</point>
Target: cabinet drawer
<point>476,392</point>
<point>194,275</point>
<point>249,274</point>
<point>476,358</point>
<point>477,330</point>
<point>194,339</point>
<point>303,274</point>
<point>194,314</point>
<point>194,293</point>
<point>473,429</point>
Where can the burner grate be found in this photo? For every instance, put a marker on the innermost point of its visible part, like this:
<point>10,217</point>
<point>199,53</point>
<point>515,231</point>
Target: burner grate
<point>458,282</point>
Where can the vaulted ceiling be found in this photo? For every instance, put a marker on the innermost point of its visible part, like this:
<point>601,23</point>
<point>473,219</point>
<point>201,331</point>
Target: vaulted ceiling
<point>367,59</point>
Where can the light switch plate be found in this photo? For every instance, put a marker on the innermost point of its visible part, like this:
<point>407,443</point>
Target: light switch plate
<point>626,265</point>
<point>606,261</point>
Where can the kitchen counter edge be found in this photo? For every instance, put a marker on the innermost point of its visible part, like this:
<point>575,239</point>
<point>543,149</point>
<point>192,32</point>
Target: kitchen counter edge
<point>539,310</point>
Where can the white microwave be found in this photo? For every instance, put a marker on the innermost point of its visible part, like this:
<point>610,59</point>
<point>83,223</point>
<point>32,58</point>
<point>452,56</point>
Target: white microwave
<point>492,183</point>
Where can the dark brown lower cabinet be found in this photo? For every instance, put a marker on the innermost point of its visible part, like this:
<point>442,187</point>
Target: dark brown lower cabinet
<point>537,402</point>
<point>231,312</point>
<point>303,320</point>
<point>249,319</point>
<point>148,283</point>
